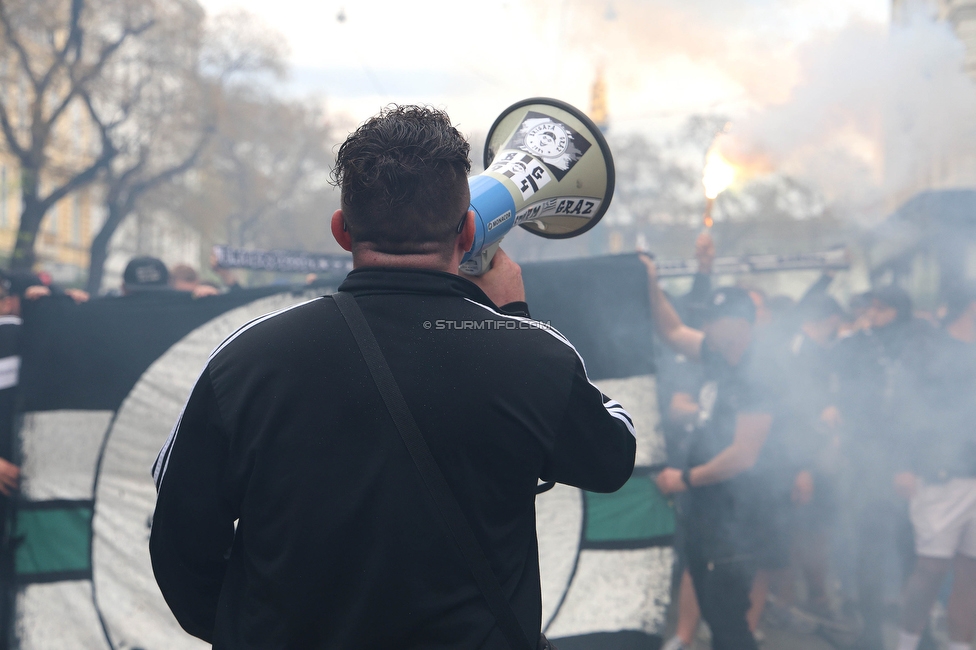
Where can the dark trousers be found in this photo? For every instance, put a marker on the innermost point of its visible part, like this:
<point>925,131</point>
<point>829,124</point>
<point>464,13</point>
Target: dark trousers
<point>722,588</point>
<point>882,527</point>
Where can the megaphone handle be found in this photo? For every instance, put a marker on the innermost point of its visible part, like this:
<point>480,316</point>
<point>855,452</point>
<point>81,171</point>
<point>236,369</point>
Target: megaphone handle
<point>480,263</point>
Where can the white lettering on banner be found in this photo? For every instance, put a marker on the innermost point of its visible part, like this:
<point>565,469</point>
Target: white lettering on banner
<point>9,372</point>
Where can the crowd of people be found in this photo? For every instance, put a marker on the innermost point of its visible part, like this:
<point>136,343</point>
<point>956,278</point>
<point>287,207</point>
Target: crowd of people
<point>821,459</point>
<point>821,452</point>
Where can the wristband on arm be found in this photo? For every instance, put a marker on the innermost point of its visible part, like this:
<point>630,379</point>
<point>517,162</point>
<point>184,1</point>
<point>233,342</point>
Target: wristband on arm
<point>686,477</point>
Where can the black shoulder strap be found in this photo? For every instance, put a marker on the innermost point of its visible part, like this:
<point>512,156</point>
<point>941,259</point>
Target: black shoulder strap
<point>439,490</point>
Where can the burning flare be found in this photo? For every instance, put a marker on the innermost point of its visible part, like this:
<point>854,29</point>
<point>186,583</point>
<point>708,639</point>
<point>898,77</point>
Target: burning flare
<point>719,174</point>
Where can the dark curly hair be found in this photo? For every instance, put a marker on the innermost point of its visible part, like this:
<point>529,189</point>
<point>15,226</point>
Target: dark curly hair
<point>403,176</point>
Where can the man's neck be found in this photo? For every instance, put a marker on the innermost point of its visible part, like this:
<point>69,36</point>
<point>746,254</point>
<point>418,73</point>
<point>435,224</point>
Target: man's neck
<point>435,261</point>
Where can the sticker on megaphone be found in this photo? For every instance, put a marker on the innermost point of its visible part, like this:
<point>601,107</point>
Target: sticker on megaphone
<point>548,169</point>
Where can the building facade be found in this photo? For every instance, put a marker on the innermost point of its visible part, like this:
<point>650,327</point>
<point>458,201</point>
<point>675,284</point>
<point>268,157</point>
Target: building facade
<point>961,14</point>
<point>65,235</point>
<point>924,168</point>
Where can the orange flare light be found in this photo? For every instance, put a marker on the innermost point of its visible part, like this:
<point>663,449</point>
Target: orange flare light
<point>718,175</point>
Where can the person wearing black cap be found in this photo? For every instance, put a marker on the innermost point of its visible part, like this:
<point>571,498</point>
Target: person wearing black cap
<point>678,383</point>
<point>736,417</point>
<point>145,274</point>
<point>939,479</point>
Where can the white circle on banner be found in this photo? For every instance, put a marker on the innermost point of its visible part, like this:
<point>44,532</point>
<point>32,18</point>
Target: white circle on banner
<point>129,602</point>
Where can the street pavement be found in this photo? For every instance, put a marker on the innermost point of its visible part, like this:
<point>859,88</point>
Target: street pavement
<point>783,640</point>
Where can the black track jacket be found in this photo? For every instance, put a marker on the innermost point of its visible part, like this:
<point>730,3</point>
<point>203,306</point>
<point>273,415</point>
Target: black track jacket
<point>337,543</point>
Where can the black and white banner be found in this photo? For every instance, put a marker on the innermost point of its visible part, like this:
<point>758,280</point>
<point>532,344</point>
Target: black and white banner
<point>104,382</point>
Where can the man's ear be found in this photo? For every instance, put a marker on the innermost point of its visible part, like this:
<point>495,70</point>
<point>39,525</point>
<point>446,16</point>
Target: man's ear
<point>340,232</point>
<point>465,239</point>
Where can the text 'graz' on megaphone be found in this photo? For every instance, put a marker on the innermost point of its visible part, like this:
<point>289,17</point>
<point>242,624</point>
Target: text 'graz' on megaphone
<point>547,168</point>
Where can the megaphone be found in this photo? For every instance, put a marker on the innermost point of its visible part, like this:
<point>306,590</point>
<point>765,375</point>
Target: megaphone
<point>548,169</point>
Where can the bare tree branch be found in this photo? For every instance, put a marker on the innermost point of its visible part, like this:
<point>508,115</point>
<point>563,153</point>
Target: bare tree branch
<point>15,42</point>
<point>80,83</point>
<point>79,180</point>
<point>8,132</point>
<point>61,54</point>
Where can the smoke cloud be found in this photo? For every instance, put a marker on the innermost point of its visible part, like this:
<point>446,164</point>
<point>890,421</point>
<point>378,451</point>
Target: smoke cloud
<point>877,114</point>
<point>864,111</point>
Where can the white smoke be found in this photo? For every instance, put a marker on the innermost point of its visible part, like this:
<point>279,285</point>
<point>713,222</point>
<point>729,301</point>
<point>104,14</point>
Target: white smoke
<point>877,114</point>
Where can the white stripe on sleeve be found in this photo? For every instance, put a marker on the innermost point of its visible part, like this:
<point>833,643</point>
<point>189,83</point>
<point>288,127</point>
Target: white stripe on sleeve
<point>613,407</point>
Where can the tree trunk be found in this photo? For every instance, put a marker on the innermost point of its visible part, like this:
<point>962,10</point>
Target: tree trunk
<point>99,246</point>
<point>31,216</point>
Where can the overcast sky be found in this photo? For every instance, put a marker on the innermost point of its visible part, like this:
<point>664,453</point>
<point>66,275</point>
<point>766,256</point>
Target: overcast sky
<point>663,58</point>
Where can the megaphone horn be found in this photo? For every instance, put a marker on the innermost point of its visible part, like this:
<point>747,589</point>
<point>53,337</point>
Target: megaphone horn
<point>548,168</point>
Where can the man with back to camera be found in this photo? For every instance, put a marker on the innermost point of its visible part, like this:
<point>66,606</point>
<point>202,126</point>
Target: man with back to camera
<point>734,421</point>
<point>338,544</point>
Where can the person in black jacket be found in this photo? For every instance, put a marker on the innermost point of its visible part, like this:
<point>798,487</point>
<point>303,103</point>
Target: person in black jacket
<point>337,543</point>
<point>736,414</point>
<point>880,371</point>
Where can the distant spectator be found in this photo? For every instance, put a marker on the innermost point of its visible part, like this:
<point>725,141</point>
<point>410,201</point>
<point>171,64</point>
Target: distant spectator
<point>938,477</point>
<point>226,275</point>
<point>860,306</point>
<point>880,370</point>
<point>20,285</point>
<point>145,274</point>
<point>183,277</point>
<point>779,307</point>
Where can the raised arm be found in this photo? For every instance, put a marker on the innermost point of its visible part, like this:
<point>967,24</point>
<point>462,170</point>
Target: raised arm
<point>680,337</point>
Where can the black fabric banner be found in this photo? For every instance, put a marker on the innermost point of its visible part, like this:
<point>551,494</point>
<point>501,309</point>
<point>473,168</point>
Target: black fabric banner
<point>89,356</point>
<point>601,305</point>
<point>103,382</point>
